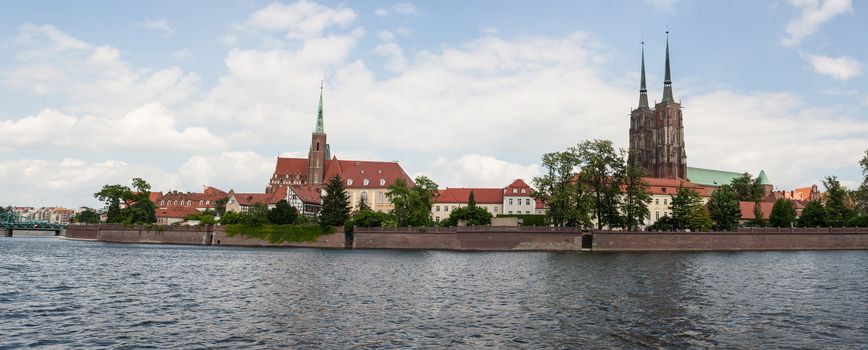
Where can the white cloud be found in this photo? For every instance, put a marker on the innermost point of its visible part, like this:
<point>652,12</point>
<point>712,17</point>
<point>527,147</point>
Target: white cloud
<point>150,127</point>
<point>842,68</point>
<point>475,170</point>
<point>162,26</point>
<point>814,14</point>
<point>46,40</point>
<point>401,8</point>
<point>776,132</point>
<point>662,5</point>
<point>303,19</point>
<point>386,35</point>
<point>394,54</point>
<point>242,171</point>
<point>182,54</point>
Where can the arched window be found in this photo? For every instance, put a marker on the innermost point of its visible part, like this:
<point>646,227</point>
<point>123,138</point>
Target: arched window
<point>365,182</point>
<point>317,146</point>
<point>349,182</point>
<point>382,182</point>
<point>365,197</point>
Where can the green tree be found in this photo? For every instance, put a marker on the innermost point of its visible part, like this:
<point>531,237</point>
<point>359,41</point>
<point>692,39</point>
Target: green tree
<point>814,215</point>
<point>724,208</point>
<point>684,205</point>
<point>838,210</point>
<point>113,196</point>
<point>601,169</point>
<point>335,208</point>
<point>472,214</point>
<point>699,220</point>
<point>257,214</point>
<point>783,213</point>
<point>747,188</point>
<point>282,213</point>
<point>636,197</point>
<point>370,218</point>
<point>412,205</point>
<point>758,217</point>
<point>87,216</point>
<point>231,218</point>
<point>220,205</point>
<point>141,210</point>
<point>861,194</point>
<point>569,200</point>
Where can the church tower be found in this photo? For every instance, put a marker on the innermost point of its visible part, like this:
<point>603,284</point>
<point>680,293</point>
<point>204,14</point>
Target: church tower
<point>319,149</point>
<point>670,157</point>
<point>641,124</point>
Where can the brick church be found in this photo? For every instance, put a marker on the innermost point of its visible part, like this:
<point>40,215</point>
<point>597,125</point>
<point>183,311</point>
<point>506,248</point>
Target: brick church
<point>657,135</point>
<point>366,181</point>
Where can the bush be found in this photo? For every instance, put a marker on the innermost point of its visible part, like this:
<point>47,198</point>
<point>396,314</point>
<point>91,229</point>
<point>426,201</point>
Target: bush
<point>279,233</point>
<point>231,218</point>
<point>858,221</point>
<point>370,218</point>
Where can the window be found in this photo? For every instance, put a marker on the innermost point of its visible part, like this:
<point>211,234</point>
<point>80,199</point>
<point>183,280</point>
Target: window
<point>657,201</point>
<point>436,218</point>
<point>510,203</point>
<point>663,189</point>
<point>365,182</point>
<point>495,209</point>
<point>656,215</point>
<point>514,190</point>
<point>664,201</point>
<point>436,208</point>
<point>365,197</point>
<point>382,182</point>
<point>162,202</point>
<point>200,202</point>
<point>445,208</point>
<point>317,146</point>
<point>380,197</point>
<point>510,211</point>
<point>349,182</point>
<point>527,201</point>
<point>523,190</point>
<point>189,202</point>
<point>527,211</point>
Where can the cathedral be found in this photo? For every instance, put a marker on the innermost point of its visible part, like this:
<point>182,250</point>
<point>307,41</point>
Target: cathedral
<point>657,135</point>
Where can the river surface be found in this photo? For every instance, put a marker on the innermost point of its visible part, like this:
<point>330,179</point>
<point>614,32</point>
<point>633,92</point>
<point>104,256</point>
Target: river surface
<point>56,293</point>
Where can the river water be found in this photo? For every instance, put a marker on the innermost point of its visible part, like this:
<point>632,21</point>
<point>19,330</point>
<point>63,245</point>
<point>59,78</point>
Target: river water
<point>56,293</point>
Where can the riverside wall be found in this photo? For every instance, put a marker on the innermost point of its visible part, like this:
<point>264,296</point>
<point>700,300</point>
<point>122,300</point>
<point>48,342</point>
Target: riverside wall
<point>743,239</point>
<point>190,235</point>
<point>496,238</point>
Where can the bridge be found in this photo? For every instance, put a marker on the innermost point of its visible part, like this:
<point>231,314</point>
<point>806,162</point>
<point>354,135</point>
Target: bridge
<point>9,222</point>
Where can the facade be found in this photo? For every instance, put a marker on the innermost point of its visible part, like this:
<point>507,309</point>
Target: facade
<point>662,191</point>
<point>241,202</point>
<point>173,215</point>
<point>518,198</point>
<point>306,199</point>
<point>657,135</point>
<point>366,181</point>
<point>201,201</point>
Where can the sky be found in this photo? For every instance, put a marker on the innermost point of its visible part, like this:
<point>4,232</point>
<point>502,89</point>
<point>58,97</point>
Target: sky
<point>193,93</point>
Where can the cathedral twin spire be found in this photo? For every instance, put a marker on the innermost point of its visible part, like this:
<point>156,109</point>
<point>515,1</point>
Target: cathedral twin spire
<point>319,123</point>
<point>667,82</point>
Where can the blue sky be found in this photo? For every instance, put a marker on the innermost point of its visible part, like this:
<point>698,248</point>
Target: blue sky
<point>470,93</point>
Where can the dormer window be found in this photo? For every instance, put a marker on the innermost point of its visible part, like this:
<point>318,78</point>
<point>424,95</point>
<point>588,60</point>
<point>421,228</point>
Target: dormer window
<point>523,191</point>
<point>382,182</point>
<point>349,182</point>
<point>514,190</point>
<point>365,182</point>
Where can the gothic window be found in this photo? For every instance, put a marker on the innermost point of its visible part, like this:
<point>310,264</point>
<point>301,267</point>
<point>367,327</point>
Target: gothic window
<point>317,146</point>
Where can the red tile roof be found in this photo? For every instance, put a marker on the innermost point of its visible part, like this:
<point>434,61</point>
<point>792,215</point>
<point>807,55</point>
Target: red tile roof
<point>747,209</point>
<point>462,195</point>
<point>517,185</point>
<point>175,212</point>
<point>248,199</point>
<point>208,197</point>
<point>670,186</point>
<point>307,194</point>
<point>378,174</point>
<point>291,166</point>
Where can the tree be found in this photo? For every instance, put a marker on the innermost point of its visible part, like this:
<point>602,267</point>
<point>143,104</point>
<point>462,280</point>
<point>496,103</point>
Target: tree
<point>601,168</point>
<point>684,205</point>
<point>257,214</point>
<point>231,218</point>
<point>335,208</point>
<point>282,213</point>
<point>814,215</point>
<point>747,188</point>
<point>838,210</point>
<point>87,216</point>
<point>700,220</point>
<point>568,199</point>
<point>412,205</point>
<point>724,208</point>
<point>142,209</point>
<point>113,195</point>
<point>220,206</point>
<point>636,197</point>
<point>663,224</point>
<point>370,218</point>
<point>758,217</point>
<point>861,195</point>
<point>783,213</point>
<point>471,214</point>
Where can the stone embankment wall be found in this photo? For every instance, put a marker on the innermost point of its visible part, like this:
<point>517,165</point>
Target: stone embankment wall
<point>744,239</point>
<point>194,235</point>
<point>470,238</point>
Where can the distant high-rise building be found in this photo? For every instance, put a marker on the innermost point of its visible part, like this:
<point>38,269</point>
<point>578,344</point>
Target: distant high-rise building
<point>657,135</point>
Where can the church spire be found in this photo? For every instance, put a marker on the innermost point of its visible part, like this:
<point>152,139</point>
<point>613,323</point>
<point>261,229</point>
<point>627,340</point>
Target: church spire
<point>643,91</point>
<point>667,82</point>
<point>319,123</point>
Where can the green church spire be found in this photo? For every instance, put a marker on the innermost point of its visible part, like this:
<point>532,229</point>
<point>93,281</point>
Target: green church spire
<point>667,82</point>
<point>319,123</point>
<point>643,91</point>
